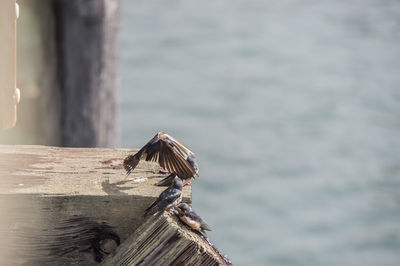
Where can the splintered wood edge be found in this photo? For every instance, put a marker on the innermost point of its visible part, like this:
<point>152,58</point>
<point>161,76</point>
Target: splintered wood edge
<point>164,240</point>
<point>42,186</point>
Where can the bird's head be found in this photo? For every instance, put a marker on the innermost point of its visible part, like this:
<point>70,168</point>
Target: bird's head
<point>184,207</point>
<point>191,159</point>
<point>178,184</point>
<point>169,142</point>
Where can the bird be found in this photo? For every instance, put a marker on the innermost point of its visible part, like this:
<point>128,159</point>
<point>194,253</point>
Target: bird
<point>170,154</point>
<point>168,199</point>
<point>191,218</point>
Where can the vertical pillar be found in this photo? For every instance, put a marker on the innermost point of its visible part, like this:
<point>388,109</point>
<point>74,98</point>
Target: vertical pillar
<point>87,44</point>
<point>8,94</point>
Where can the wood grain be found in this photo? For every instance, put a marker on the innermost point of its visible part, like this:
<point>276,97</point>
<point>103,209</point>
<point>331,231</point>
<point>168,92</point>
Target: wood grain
<point>164,240</point>
<point>53,195</point>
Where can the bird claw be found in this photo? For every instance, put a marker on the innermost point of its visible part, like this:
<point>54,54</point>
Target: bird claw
<point>173,211</point>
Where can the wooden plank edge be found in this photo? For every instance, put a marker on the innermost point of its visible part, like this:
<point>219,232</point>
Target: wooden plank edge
<point>164,240</point>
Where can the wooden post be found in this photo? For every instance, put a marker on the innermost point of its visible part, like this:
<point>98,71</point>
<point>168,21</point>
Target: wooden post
<point>87,51</point>
<point>164,240</point>
<point>8,95</point>
<point>58,203</point>
<point>67,72</point>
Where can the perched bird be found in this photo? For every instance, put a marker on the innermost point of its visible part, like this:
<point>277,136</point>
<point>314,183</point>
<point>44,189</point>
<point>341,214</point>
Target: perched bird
<point>170,154</point>
<point>191,218</point>
<point>168,199</point>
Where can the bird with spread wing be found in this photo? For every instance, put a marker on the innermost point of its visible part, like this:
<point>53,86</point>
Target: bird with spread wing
<point>170,154</point>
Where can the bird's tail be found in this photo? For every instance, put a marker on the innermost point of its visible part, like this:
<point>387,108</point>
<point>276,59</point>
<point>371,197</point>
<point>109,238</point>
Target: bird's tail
<point>130,163</point>
<point>205,226</point>
<point>167,181</point>
<point>153,209</point>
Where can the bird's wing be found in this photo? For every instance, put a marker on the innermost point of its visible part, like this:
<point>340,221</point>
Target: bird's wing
<point>187,154</point>
<point>170,195</point>
<point>173,157</point>
<point>131,161</point>
<point>166,198</point>
<point>203,225</point>
<point>173,161</point>
<point>179,147</point>
<point>168,152</point>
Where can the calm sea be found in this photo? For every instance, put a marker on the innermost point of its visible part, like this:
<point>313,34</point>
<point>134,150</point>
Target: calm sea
<point>293,110</point>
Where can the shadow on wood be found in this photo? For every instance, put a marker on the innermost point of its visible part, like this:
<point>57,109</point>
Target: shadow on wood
<point>56,201</point>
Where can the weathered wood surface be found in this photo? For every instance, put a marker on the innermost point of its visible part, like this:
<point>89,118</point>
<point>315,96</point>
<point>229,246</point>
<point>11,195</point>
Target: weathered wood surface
<point>8,64</point>
<point>54,196</point>
<point>164,240</point>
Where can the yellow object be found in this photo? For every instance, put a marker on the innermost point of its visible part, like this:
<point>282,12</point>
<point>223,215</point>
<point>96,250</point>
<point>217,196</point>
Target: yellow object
<point>9,95</point>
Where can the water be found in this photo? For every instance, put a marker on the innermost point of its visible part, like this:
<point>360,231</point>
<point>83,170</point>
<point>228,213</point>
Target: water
<point>293,110</point>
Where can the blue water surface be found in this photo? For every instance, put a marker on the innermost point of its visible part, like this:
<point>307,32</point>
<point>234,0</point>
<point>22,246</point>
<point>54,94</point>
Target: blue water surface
<point>293,110</point>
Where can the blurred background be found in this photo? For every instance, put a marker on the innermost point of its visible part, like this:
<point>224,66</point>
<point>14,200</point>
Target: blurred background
<point>292,108</point>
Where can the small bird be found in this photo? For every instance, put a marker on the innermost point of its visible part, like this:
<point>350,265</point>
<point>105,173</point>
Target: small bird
<point>192,219</point>
<point>168,199</point>
<point>170,154</point>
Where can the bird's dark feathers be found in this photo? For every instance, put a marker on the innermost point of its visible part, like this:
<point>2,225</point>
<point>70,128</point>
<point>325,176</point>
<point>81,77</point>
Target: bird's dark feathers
<point>166,198</point>
<point>192,215</point>
<point>169,153</point>
<point>169,196</point>
<point>131,161</point>
<point>192,161</point>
